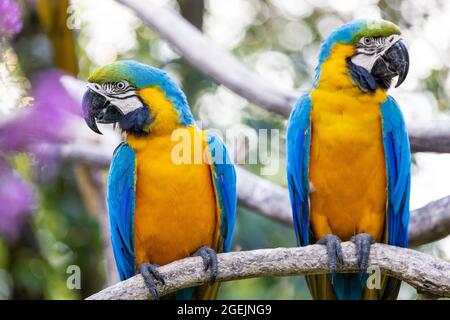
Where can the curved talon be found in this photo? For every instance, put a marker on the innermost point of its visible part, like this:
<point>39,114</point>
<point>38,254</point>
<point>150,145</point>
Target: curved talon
<point>151,274</point>
<point>334,252</point>
<point>209,258</point>
<point>362,241</point>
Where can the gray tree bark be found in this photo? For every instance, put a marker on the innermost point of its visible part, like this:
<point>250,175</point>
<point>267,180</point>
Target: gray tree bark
<point>422,271</point>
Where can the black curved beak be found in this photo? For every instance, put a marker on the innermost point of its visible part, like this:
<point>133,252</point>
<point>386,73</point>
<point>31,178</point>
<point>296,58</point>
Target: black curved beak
<point>394,62</point>
<point>96,108</point>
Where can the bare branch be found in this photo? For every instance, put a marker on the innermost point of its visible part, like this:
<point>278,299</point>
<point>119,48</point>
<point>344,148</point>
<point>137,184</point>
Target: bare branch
<point>259,194</point>
<point>430,137</point>
<point>203,55</point>
<point>430,223</point>
<point>427,224</point>
<point>192,11</point>
<point>420,270</point>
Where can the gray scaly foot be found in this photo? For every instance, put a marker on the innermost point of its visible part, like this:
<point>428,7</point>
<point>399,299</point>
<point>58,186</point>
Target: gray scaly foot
<point>334,252</point>
<point>151,274</point>
<point>209,257</point>
<point>363,241</point>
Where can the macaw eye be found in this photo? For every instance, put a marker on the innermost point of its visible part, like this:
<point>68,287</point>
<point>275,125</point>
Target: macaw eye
<point>367,41</point>
<point>121,86</point>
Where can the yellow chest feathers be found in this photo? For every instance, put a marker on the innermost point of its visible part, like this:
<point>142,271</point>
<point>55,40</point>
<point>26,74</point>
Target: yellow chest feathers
<point>340,108</point>
<point>175,211</point>
<point>347,164</point>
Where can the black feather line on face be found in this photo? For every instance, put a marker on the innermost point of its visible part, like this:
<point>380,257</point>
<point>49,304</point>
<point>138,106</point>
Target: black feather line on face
<point>362,77</point>
<point>137,121</point>
<point>123,98</point>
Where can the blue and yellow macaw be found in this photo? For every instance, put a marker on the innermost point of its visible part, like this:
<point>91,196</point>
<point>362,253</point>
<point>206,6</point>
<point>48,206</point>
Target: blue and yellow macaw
<point>162,205</point>
<point>348,156</point>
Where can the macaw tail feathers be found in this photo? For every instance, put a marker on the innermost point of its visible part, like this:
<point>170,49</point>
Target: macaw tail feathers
<point>349,286</point>
<point>205,292</point>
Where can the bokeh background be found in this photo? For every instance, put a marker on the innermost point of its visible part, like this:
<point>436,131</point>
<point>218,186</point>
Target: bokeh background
<point>52,211</point>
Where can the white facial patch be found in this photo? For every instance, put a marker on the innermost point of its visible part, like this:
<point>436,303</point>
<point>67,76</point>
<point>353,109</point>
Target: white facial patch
<point>124,98</point>
<point>368,53</point>
<point>364,60</point>
<point>126,105</point>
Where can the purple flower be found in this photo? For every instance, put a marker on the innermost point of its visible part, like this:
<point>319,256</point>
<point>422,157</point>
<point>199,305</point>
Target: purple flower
<point>47,121</point>
<point>10,22</point>
<point>17,203</point>
<point>32,130</point>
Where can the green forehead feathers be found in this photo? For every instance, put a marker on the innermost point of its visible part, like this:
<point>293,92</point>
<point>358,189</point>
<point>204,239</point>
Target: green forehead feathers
<point>376,28</point>
<point>110,73</point>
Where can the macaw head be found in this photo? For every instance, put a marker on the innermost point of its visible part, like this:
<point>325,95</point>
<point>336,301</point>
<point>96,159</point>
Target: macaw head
<point>136,96</point>
<point>378,53</point>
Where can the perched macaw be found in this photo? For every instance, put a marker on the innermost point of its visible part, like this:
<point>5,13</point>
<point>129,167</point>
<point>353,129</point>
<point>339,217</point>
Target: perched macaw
<point>348,156</point>
<point>161,209</point>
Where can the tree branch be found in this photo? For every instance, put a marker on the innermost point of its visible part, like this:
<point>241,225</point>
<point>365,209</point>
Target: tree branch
<point>259,194</point>
<point>204,55</point>
<point>430,223</point>
<point>420,270</point>
<point>427,224</point>
<point>430,137</point>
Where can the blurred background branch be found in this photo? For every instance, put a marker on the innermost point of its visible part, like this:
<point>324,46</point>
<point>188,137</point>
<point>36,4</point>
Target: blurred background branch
<point>433,136</point>
<point>203,55</point>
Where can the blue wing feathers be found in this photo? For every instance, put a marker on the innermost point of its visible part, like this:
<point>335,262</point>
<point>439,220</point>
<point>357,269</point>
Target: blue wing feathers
<point>297,146</point>
<point>121,201</point>
<point>224,178</point>
<point>398,163</point>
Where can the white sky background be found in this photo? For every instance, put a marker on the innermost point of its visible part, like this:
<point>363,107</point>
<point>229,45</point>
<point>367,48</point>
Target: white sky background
<point>110,31</point>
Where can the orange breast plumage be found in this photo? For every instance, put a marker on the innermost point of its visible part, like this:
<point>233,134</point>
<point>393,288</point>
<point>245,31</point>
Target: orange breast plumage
<point>347,162</point>
<point>175,211</point>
